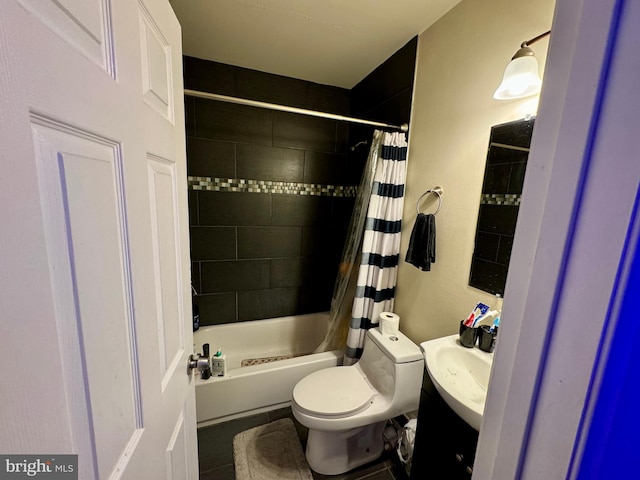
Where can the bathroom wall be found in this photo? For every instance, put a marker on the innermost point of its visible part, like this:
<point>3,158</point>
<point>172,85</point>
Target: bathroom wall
<point>268,253</point>
<point>270,194</point>
<point>385,94</point>
<point>461,60</point>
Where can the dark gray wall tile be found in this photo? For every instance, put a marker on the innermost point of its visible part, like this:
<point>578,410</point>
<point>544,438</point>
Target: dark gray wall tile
<point>267,87</point>
<point>206,76</point>
<point>190,115</point>
<point>193,207</point>
<point>391,78</point>
<point>330,169</point>
<point>315,298</point>
<point>271,224</point>
<point>259,304</point>
<point>319,272</point>
<point>325,98</point>
<point>217,308</point>
<point>341,211</point>
<point>319,241</point>
<point>237,123</point>
<point>233,276</point>
<point>504,251</point>
<point>286,272</point>
<point>269,242</point>
<point>488,276</point>
<point>496,178</point>
<point>211,158</point>
<point>499,155</point>
<point>213,243</point>
<point>234,208</point>
<point>260,162</point>
<point>497,219</point>
<point>301,210</point>
<point>516,133</point>
<point>300,131</point>
<point>195,276</point>
<point>486,246</point>
<point>516,179</point>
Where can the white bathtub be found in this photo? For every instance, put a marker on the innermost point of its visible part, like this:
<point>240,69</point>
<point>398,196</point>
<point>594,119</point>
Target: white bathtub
<point>258,388</point>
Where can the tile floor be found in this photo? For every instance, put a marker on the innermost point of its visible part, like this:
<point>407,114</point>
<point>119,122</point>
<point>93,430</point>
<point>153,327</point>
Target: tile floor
<point>215,447</point>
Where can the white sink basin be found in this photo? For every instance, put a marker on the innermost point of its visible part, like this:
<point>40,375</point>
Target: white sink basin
<point>461,376</point>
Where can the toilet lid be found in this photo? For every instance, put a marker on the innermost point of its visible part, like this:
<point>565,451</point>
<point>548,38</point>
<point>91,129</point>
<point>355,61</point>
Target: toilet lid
<point>332,392</point>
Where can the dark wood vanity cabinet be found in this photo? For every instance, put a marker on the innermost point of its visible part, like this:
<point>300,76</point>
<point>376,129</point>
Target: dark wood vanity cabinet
<point>445,445</point>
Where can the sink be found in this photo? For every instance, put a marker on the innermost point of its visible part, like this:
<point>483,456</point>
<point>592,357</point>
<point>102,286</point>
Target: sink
<point>460,375</point>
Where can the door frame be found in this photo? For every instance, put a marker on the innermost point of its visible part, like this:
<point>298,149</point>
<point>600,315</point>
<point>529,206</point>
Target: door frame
<point>550,339</point>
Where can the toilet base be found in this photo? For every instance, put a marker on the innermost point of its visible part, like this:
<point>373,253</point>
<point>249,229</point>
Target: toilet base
<point>336,452</point>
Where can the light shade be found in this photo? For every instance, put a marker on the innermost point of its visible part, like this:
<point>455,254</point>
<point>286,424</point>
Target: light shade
<point>521,79</point>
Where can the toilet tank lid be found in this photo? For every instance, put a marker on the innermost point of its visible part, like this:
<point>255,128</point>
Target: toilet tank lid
<point>398,347</point>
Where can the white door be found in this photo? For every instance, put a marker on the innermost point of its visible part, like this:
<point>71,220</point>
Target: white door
<point>94,258</point>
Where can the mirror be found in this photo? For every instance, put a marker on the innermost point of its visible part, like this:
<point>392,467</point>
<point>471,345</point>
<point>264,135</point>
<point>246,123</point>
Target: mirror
<point>499,204</point>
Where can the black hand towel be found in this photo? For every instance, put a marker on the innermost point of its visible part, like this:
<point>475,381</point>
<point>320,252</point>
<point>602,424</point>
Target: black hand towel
<point>422,245</point>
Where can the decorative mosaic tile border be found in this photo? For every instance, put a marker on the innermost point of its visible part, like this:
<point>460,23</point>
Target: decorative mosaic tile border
<point>268,186</point>
<point>511,199</point>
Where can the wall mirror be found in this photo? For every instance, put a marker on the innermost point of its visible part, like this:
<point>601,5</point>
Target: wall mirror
<point>499,204</point>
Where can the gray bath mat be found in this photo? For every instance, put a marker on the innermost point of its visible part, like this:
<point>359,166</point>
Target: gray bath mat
<point>270,452</point>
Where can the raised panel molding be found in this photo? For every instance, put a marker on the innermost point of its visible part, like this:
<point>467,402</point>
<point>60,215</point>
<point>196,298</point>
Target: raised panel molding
<point>168,275</point>
<point>157,81</point>
<point>81,187</point>
<point>84,24</point>
<point>177,452</point>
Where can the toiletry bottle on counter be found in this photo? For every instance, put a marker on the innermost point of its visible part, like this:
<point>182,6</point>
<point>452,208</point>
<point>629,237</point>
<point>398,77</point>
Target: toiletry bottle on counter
<point>219,364</point>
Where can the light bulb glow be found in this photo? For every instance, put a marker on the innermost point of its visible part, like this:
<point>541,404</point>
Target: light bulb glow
<point>520,79</point>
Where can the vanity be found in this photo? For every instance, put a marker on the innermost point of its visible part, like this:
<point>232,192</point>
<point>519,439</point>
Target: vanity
<point>452,401</point>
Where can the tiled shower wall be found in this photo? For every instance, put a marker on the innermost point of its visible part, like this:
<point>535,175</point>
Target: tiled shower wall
<point>270,194</point>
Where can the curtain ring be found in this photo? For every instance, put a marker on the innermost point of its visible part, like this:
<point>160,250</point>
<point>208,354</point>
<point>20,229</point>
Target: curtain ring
<point>436,191</point>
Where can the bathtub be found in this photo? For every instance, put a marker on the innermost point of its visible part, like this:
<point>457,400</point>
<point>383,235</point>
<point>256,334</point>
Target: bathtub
<point>258,388</point>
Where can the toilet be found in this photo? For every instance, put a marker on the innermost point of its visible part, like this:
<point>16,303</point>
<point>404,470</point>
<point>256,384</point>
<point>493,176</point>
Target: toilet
<point>346,408</point>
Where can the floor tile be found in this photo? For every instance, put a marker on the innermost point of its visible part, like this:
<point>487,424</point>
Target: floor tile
<point>223,473</point>
<point>215,443</point>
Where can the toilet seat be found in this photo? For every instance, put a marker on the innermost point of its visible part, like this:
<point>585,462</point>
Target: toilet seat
<point>333,392</point>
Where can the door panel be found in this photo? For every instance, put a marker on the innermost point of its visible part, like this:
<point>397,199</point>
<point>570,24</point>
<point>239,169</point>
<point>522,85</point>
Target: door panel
<point>164,212</point>
<point>84,24</point>
<point>95,249</point>
<point>81,178</point>
<point>156,66</point>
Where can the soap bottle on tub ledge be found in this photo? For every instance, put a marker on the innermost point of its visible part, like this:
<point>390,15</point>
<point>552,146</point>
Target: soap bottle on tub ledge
<point>219,364</point>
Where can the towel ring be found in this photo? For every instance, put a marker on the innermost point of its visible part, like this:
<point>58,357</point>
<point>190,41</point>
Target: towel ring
<point>436,191</point>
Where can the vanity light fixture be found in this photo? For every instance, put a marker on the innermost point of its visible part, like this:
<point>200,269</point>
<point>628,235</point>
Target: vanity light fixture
<point>521,78</point>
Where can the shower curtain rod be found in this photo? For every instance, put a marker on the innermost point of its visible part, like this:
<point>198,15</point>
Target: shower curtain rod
<point>284,108</point>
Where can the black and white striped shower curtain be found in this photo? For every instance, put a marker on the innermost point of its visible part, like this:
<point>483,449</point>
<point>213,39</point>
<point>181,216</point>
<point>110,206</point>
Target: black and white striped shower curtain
<point>378,270</point>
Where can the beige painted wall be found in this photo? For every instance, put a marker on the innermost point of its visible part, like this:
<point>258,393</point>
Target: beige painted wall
<point>461,59</point>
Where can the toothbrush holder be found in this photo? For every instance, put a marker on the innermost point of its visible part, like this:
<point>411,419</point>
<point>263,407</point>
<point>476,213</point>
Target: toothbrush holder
<point>468,335</point>
<point>487,338</point>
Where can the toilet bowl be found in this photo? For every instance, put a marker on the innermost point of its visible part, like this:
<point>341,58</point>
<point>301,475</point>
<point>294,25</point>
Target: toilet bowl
<point>346,408</point>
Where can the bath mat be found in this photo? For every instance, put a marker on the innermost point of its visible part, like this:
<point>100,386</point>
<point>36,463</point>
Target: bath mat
<point>270,452</point>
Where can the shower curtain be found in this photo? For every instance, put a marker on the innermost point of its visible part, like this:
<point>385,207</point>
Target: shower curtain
<point>373,242</point>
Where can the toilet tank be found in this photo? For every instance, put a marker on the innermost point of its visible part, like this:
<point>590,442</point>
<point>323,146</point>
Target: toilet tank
<point>390,361</point>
